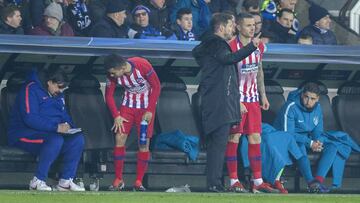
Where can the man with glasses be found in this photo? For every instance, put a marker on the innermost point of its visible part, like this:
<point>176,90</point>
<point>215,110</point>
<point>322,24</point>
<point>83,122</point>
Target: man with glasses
<point>143,27</point>
<point>39,124</point>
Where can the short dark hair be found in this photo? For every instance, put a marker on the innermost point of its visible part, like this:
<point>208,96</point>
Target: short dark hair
<point>8,11</point>
<point>305,36</point>
<point>219,19</point>
<point>181,12</point>
<point>281,12</point>
<point>241,16</point>
<point>247,4</point>
<point>113,61</point>
<point>55,75</point>
<point>311,87</point>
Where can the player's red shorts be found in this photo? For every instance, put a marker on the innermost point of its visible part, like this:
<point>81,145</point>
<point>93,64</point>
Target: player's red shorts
<point>134,116</point>
<point>250,121</point>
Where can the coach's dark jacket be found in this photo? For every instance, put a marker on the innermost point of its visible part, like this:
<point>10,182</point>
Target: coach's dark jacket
<point>219,90</point>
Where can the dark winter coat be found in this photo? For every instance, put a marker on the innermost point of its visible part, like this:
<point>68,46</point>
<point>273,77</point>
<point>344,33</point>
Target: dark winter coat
<point>7,29</point>
<point>327,38</point>
<point>108,28</point>
<point>159,18</point>
<point>281,34</point>
<point>219,90</point>
<point>63,30</point>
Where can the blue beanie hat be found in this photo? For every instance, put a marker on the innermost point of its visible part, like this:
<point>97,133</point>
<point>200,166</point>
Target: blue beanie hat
<point>316,13</point>
<point>140,7</point>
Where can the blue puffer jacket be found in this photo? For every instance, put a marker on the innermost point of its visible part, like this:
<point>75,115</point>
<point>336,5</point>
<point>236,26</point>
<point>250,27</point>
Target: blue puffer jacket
<point>36,112</point>
<point>293,117</point>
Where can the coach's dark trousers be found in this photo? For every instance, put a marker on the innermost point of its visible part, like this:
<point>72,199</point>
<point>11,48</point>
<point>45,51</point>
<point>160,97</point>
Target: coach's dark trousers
<point>216,147</point>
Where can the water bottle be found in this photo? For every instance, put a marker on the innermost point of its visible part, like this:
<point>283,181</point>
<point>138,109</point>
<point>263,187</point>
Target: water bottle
<point>94,186</point>
<point>143,132</point>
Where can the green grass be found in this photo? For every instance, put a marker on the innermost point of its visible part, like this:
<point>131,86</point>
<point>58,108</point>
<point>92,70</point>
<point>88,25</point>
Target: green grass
<point>149,197</point>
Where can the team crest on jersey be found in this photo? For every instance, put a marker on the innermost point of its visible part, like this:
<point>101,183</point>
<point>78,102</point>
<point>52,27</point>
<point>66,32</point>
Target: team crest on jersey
<point>316,120</point>
<point>140,80</point>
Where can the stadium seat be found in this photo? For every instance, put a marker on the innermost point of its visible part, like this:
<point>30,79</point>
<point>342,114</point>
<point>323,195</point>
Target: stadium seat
<point>88,110</point>
<point>274,93</point>
<point>9,93</point>
<point>173,111</point>
<point>12,159</point>
<point>347,109</point>
<point>347,113</point>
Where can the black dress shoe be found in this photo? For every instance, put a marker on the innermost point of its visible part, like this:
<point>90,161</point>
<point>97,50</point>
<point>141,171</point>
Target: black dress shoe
<point>216,188</point>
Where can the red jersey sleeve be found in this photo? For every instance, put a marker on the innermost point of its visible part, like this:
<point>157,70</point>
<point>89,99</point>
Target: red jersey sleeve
<point>148,72</point>
<point>109,96</point>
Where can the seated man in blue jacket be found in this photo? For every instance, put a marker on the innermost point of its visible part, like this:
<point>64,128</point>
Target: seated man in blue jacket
<point>302,116</point>
<point>39,124</point>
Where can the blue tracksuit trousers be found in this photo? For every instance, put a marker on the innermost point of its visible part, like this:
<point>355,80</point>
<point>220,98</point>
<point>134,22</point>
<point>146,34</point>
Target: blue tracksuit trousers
<point>53,145</point>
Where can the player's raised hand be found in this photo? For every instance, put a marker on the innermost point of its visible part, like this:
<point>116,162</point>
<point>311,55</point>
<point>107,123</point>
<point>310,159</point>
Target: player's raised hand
<point>256,40</point>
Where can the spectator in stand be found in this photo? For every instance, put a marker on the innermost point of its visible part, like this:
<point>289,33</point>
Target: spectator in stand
<point>37,8</point>
<point>319,28</point>
<point>53,24</point>
<point>251,6</point>
<point>218,6</point>
<point>183,27</point>
<point>78,17</point>
<point>266,37</point>
<point>258,22</point>
<point>281,28</point>
<point>113,24</point>
<point>23,6</point>
<point>159,15</point>
<point>305,39</point>
<point>97,10</point>
<point>200,10</point>
<point>143,28</point>
<point>271,8</point>
<point>11,20</point>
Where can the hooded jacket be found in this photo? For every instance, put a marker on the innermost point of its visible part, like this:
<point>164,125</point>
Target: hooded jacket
<point>35,112</point>
<point>293,117</point>
<point>218,89</point>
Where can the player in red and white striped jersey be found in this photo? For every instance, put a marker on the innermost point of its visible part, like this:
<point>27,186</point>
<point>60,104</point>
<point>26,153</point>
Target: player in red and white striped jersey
<point>142,89</point>
<point>251,86</point>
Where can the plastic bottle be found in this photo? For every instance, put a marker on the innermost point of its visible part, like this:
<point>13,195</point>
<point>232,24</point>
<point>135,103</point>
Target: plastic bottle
<point>143,132</point>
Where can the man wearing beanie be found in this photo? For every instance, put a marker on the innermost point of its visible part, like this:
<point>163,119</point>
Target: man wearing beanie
<point>53,24</point>
<point>113,24</point>
<point>144,29</point>
<point>319,28</point>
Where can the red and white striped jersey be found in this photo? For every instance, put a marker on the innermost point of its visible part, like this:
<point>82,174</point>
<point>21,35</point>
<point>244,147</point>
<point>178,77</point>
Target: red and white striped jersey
<point>136,90</point>
<point>142,87</point>
<point>247,70</point>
